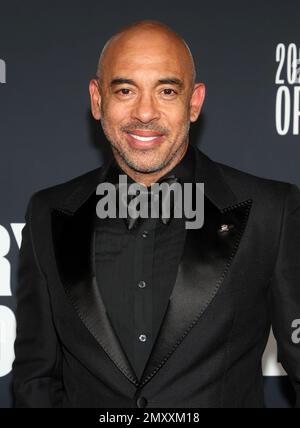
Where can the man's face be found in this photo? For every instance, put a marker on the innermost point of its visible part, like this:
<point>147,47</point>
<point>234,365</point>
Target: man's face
<point>145,96</point>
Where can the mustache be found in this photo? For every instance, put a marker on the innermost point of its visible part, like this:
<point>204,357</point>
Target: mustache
<point>131,127</point>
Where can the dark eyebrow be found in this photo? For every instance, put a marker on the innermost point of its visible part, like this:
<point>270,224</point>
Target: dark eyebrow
<point>171,81</point>
<point>121,80</point>
<point>165,81</point>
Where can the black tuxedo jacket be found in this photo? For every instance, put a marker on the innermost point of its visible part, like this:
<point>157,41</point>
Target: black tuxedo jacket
<point>231,285</point>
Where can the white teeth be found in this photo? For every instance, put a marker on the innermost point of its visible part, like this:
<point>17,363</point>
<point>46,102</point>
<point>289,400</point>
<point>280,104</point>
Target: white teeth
<point>138,137</point>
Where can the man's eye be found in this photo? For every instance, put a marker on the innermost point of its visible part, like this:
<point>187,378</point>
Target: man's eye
<point>168,91</point>
<point>124,91</point>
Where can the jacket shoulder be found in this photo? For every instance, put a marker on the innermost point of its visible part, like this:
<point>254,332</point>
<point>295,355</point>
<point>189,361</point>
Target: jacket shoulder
<point>57,193</point>
<point>247,184</point>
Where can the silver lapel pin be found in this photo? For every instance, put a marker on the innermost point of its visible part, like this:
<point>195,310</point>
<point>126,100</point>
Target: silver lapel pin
<point>225,228</point>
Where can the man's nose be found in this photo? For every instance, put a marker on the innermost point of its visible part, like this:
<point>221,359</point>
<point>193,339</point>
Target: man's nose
<point>146,108</point>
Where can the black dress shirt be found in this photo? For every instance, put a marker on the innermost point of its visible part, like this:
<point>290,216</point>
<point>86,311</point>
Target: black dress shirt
<point>136,270</point>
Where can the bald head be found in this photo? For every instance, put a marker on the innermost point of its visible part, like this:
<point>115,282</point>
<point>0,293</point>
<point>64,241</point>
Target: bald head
<point>147,33</point>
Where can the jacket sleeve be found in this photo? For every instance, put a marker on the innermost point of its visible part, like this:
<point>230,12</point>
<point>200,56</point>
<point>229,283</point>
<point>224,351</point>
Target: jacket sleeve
<point>285,290</point>
<point>37,379</point>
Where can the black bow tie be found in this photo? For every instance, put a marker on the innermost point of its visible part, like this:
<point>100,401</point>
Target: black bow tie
<point>131,222</point>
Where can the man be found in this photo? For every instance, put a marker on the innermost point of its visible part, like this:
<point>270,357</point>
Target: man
<point>117,312</point>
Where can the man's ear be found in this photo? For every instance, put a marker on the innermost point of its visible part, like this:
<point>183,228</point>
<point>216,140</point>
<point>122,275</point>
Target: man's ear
<point>95,99</point>
<point>197,100</point>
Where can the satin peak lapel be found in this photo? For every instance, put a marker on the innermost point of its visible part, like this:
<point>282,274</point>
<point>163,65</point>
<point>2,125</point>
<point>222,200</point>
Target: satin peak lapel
<point>72,233</point>
<point>205,262</point>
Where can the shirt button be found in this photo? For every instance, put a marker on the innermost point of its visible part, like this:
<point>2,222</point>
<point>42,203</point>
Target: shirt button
<point>145,234</point>
<point>142,338</point>
<point>141,402</point>
<point>142,284</point>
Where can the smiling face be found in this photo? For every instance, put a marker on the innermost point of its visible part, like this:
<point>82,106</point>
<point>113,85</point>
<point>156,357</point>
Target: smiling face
<point>145,98</point>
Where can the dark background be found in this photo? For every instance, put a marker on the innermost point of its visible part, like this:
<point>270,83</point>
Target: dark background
<point>47,134</point>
